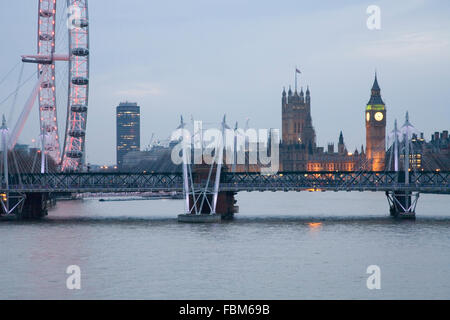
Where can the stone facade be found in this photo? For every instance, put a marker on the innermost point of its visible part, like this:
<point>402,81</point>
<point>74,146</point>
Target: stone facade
<point>298,148</point>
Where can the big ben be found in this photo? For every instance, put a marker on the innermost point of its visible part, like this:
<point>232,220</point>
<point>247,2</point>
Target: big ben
<point>375,117</point>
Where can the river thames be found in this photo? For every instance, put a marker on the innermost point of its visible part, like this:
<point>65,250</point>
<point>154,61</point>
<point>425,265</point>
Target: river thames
<point>307,245</point>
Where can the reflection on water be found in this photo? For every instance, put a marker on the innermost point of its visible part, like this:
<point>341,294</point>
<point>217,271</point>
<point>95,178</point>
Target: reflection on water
<point>281,245</point>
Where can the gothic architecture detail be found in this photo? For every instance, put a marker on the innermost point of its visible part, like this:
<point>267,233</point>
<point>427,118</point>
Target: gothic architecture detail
<point>297,125</point>
<point>298,149</point>
<point>375,118</point>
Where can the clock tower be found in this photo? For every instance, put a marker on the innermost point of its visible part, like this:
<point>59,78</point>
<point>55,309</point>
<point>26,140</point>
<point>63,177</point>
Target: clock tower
<point>375,117</point>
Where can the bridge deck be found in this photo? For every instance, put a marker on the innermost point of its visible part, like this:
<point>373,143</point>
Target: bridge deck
<point>424,181</point>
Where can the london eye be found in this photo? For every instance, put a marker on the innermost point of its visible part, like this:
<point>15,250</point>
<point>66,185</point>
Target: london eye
<point>54,17</point>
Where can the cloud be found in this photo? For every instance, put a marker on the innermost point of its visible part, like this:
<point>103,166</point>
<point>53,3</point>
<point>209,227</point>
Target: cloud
<point>141,90</point>
<point>419,44</point>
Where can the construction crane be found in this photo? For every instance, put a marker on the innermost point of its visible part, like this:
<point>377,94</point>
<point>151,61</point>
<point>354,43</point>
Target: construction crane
<point>150,144</point>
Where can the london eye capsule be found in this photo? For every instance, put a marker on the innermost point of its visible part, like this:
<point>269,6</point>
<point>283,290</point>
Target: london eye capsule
<point>80,81</point>
<point>45,37</point>
<point>82,52</point>
<point>77,133</point>
<point>46,84</point>
<point>80,23</point>
<point>78,108</point>
<point>47,107</point>
<point>46,13</point>
<point>74,154</point>
<point>50,128</point>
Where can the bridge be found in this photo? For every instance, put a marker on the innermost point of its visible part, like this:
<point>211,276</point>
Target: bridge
<point>203,200</point>
<point>83,182</point>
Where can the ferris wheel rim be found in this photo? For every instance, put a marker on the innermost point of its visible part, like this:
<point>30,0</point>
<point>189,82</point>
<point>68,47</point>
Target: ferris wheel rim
<point>73,152</point>
<point>78,87</point>
<point>46,75</point>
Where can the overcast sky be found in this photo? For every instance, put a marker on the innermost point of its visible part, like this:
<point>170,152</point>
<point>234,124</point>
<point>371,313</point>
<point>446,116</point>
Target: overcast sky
<point>209,57</point>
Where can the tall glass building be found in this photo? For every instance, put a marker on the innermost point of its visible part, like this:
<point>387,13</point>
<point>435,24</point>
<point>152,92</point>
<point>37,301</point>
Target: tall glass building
<point>128,129</point>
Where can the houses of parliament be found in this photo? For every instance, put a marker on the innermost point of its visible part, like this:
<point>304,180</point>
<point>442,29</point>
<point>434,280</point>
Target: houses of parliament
<point>299,150</point>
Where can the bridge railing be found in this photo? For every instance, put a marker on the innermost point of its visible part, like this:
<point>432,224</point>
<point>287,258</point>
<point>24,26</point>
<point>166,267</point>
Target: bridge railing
<point>333,180</point>
<point>431,181</point>
<point>104,181</point>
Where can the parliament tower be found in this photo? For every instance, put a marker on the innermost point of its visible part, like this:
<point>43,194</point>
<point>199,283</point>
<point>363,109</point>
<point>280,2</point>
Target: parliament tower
<point>298,135</point>
<point>375,117</point>
<point>297,125</point>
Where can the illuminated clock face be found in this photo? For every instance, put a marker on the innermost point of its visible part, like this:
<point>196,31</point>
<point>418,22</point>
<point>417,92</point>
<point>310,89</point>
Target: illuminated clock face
<point>378,116</point>
<point>367,116</point>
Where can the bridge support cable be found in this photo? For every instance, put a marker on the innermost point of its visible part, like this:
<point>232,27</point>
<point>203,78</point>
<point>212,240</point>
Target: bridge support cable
<point>193,189</point>
<point>233,168</point>
<point>185,170</point>
<point>10,201</point>
<point>403,203</point>
<point>396,147</point>
<point>199,199</point>
<point>13,105</point>
<point>202,193</point>
<point>43,153</point>
<point>11,94</point>
<point>220,150</point>
<point>4,130</point>
<point>188,181</point>
<point>17,130</point>
<point>9,73</point>
<point>394,137</point>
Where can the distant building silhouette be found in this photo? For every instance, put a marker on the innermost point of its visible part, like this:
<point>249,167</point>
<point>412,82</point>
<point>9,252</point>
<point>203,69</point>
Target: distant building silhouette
<point>127,130</point>
<point>424,155</point>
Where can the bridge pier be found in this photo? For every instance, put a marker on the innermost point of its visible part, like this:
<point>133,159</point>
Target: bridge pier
<point>201,200</point>
<point>36,205</point>
<point>31,205</point>
<point>200,212</point>
<point>402,204</point>
<point>225,208</point>
<point>226,205</point>
<point>204,201</point>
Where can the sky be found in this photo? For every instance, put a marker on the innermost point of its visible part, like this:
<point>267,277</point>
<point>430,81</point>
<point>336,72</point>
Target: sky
<point>206,58</point>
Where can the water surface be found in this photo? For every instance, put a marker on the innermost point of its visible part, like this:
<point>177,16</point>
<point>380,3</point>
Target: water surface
<point>307,245</point>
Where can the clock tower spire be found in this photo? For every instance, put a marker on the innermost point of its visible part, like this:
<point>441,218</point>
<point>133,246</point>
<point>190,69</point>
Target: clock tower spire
<point>375,116</point>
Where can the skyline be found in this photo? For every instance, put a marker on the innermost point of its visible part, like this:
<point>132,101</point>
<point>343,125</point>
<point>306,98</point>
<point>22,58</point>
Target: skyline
<point>238,57</point>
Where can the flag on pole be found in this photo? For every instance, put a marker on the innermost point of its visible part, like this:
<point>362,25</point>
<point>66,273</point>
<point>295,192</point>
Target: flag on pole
<point>296,71</point>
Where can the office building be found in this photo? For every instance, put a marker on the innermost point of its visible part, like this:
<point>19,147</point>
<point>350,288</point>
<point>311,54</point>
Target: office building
<point>127,130</point>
